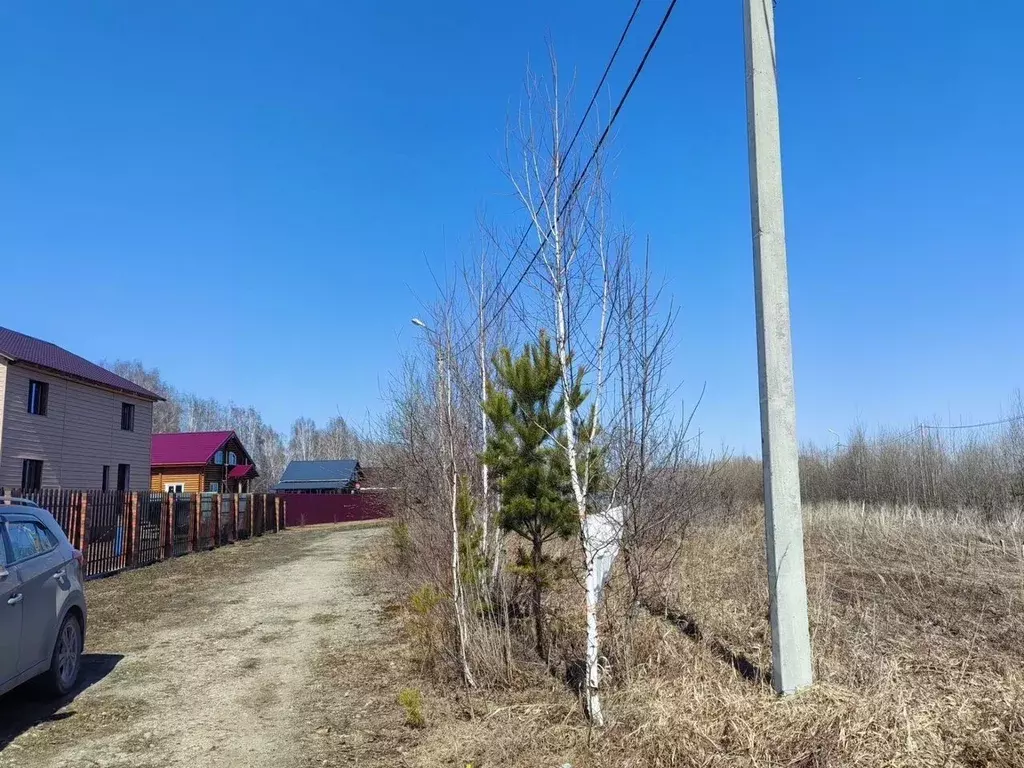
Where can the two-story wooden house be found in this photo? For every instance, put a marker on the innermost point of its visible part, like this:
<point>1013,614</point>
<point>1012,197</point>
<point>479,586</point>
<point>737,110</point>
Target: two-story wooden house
<point>68,423</point>
<point>201,462</point>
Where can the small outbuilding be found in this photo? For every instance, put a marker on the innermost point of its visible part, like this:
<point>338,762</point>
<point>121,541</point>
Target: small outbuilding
<point>321,477</point>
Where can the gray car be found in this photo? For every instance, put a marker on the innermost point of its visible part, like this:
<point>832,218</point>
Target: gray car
<point>42,601</point>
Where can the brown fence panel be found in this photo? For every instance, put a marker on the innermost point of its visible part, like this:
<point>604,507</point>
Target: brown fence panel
<point>259,511</point>
<point>106,530</point>
<point>180,524</point>
<point>149,518</point>
<point>228,503</point>
<point>205,532</point>
<point>243,529</point>
<point>62,504</point>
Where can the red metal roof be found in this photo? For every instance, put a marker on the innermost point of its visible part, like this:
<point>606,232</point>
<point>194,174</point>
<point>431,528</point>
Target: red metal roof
<point>20,348</point>
<point>242,471</point>
<point>190,448</point>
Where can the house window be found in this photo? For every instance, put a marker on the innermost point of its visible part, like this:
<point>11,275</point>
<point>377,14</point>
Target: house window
<point>232,459</point>
<point>175,488</point>
<point>214,487</point>
<point>123,476</point>
<point>38,393</point>
<point>127,417</point>
<point>218,458</point>
<point>31,475</point>
<point>106,478</point>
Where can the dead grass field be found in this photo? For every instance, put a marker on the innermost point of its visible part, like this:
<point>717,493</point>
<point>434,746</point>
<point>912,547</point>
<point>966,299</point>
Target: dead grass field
<point>916,624</point>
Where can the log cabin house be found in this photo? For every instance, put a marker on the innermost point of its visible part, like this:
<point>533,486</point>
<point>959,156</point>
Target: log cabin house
<point>201,462</point>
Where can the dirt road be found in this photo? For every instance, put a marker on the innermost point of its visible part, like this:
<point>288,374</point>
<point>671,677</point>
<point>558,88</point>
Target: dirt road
<point>206,660</point>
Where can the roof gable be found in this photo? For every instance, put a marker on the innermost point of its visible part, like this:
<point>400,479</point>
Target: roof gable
<point>19,348</point>
<point>188,448</point>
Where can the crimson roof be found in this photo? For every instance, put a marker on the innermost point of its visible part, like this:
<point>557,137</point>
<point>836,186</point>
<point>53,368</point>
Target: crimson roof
<point>187,447</point>
<point>27,349</point>
<point>242,471</point>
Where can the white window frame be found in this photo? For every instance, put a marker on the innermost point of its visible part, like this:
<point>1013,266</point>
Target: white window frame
<point>232,459</point>
<point>174,488</point>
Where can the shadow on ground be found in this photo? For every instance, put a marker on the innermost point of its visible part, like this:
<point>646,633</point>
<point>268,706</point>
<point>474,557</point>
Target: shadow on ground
<point>686,624</point>
<point>24,708</point>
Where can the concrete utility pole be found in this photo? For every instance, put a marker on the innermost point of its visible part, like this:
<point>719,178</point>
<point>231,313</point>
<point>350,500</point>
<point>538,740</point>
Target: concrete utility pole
<point>784,535</point>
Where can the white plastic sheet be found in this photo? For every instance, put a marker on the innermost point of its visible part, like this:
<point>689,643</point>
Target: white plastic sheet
<point>604,532</point>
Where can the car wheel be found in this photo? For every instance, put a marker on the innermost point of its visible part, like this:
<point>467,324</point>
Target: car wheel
<point>66,660</point>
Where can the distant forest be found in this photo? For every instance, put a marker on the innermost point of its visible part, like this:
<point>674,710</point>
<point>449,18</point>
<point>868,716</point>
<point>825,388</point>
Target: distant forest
<point>955,468</point>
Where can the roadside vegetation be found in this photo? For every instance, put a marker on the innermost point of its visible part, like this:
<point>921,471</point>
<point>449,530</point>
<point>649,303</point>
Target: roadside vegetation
<point>915,623</point>
<point>539,412</point>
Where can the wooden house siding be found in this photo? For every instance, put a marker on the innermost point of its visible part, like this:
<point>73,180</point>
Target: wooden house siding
<point>189,477</point>
<point>79,434</point>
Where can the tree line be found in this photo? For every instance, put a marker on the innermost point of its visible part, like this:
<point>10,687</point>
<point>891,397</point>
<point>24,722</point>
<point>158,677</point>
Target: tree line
<point>975,471</point>
<point>270,449</point>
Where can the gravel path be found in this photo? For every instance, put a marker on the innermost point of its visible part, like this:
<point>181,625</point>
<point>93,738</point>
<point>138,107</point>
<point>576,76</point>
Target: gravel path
<point>217,673</point>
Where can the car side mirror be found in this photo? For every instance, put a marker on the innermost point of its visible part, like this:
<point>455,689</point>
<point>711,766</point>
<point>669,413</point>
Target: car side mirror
<point>4,573</point>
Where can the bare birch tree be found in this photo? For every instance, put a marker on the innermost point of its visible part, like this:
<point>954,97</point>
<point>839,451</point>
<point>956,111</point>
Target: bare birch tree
<point>571,272</point>
<point>303,443</point>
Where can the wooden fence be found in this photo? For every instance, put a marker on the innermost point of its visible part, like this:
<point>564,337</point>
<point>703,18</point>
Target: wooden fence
<point>121,530</point>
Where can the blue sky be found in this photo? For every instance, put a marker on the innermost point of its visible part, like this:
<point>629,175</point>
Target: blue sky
<point>251,196</point>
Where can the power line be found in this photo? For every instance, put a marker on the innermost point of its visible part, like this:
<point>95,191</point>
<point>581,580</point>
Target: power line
<point>921,427</point>
<point>586,167</point>
<point>565,155</point>
<point>971,426</point>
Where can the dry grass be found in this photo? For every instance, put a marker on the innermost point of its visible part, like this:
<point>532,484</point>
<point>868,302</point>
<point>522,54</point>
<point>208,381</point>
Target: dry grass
<point>916,629</point>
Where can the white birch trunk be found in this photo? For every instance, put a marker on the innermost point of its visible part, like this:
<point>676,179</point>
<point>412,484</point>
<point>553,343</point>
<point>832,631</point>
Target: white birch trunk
<point>485,517</point>
<point>593,699</point>
<point>458,594</point>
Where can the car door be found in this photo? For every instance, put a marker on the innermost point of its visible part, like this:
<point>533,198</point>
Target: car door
<point>39,563</point>
<point>10,615</point>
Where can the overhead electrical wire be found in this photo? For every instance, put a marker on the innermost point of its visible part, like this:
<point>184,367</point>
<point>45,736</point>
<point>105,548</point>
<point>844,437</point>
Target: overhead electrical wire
<point>579,179</point>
